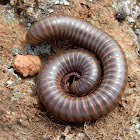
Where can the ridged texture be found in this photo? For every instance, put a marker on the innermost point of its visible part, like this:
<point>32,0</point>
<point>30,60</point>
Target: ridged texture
<point>114,69</point>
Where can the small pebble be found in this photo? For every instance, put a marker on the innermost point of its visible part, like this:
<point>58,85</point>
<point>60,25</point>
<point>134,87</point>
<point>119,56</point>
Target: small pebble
<point>131,84</point>
<point>50,10</point>
<point>28,24</point>
<point>26,64</point>
<point>120,15</point>
<point>9,82</point>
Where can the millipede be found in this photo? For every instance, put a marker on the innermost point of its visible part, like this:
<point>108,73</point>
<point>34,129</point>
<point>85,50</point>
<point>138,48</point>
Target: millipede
<point>98,69</point>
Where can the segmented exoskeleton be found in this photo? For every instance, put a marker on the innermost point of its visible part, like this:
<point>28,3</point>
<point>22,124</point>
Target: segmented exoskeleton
<point>114,69</point>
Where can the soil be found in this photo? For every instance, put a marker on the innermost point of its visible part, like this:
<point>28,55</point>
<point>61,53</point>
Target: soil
<point>22,116</point>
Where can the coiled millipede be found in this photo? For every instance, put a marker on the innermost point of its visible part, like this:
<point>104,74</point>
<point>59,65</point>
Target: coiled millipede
<point>91,96</point>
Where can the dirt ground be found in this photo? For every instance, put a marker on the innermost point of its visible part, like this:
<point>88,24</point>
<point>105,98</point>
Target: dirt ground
<point>22,116</point>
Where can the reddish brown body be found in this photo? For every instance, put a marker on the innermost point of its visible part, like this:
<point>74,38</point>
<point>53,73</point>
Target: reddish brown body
<point>114,69</point>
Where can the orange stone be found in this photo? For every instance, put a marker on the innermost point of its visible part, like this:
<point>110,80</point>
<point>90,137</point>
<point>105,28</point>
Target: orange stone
<point>131,84</point>
<point>26,64</point>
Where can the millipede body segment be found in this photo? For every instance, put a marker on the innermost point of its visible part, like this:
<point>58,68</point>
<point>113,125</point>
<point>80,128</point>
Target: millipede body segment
<point>103,79</point>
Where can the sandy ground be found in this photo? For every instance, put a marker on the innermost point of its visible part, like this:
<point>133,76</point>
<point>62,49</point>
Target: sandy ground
<point>22,116</point>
